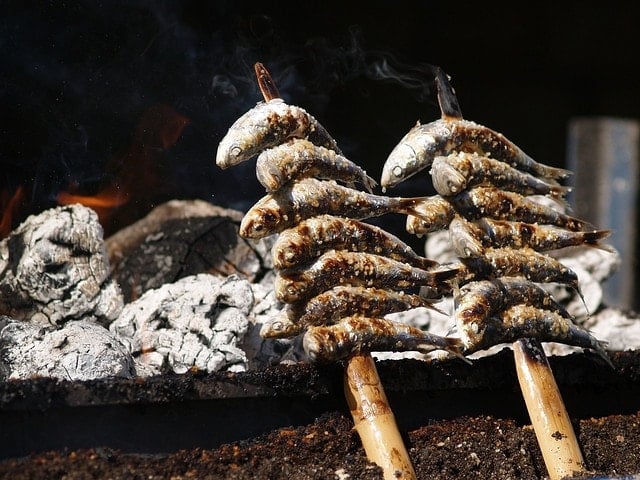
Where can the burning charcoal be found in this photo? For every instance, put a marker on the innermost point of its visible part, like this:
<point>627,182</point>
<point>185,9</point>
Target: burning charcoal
<point>79,350</point>
<point>198,321</point>
<point>54,268</point>
<point>182,238</point>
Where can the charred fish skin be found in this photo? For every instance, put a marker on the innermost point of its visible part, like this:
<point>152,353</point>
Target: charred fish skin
<point>345,301</point>
<point>328,308</point>
<point>300,158</point>
<point>266,125</point>
<point>527,321</point>
<point>539,237</point>
<point>507,262</point>
<point>419,147</point>
<point>357,334</point>
<point>478,301</point>
<point>491,202</point>
<point>335,268</point>
<point>459,171</point>
<point>309,197</point>
<point>315,235</point>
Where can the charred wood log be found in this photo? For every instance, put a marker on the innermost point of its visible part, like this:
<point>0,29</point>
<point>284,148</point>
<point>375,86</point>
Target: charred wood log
<point>182,238</point>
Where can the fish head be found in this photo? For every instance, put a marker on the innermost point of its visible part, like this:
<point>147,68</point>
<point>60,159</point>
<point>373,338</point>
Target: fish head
<point>261,221</point>
<point>267,172</point>
<point>233,149</point>
<point>447,180</point>
<point>462,239</point>
<point>413,153</point>
<point>250,134</point>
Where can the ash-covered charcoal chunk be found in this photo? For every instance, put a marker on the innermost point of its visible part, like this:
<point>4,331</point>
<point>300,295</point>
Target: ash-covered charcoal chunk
<point>196,322</point>
<point>79,350</point>
<point>54,268</point>
<point>182,238</point>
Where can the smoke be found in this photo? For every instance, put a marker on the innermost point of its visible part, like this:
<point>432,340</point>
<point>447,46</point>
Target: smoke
<point>74,100</point>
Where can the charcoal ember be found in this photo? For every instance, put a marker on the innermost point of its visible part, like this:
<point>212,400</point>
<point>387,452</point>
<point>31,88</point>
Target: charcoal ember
<point>182,238</point>
<point>197,322</point>
<point>78,350</point>
<point>54,268</point>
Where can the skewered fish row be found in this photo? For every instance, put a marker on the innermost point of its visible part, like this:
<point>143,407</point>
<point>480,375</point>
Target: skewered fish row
<point>338,275</point>
<point>499,234</point>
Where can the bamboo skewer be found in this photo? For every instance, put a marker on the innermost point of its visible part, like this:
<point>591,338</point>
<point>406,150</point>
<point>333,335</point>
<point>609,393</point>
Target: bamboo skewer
<point>372,415</point>
<point>548,414</point>
<point>374,420</point>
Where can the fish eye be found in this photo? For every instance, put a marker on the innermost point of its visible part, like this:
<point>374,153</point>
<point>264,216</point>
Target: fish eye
<point>397,171</point>
<point>236,150</point>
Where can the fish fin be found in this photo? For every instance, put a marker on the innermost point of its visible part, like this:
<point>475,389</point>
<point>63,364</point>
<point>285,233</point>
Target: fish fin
<point>370,183</point>
<point>449,107</point>
<point>452,345</point>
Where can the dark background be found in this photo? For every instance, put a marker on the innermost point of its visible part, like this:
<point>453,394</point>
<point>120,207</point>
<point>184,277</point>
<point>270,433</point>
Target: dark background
<point>78,80</point>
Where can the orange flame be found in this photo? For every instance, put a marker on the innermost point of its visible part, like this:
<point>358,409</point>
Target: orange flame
<point>8,208</point>
<point>135,171</point>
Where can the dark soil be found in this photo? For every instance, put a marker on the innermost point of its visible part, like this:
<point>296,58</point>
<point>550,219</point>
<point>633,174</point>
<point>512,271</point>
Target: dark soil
<point>464,448</point>
<point>460,422</point>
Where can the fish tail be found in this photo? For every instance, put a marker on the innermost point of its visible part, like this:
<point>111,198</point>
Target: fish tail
<point>593,238</point>
<point>424,263</point>
<point>451,345</point>
<point>555,173</point>
<point>441,276</point>
<point>369,183</point>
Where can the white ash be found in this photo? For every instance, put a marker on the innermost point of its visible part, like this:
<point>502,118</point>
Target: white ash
<point>54,268</point>
<point>78,350</point>
<point>196,322</point>
<point>263,352</point>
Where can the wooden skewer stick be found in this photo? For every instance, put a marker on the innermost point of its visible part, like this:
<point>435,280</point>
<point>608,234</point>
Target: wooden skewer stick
<point>372,416</point>
<point>547,411</point>
<point>374,420</point>
<point>265,82</point>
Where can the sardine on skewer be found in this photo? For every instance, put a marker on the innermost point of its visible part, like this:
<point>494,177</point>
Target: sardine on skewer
<point>363,334</point>
<point>299,158</point>
<point>315,235</point>
<point>508,262</point>
<point>451,133</point>
<point>477,301</point>
<point>481,202</point>
<point>471,237</point>
<point>335,268</point>
<point>331,306</point>
<point>266,125</point>
<point>309,197</point>
<point>527,321</point>
<point>456,172</point>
